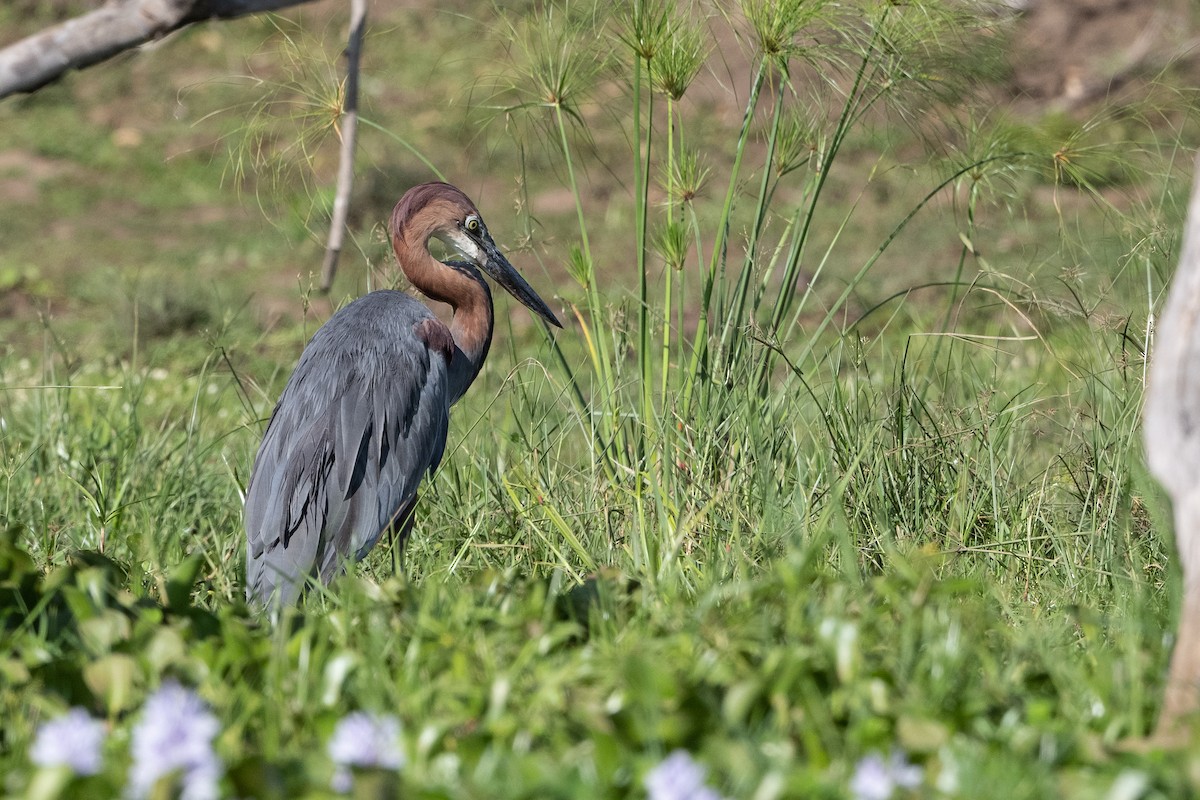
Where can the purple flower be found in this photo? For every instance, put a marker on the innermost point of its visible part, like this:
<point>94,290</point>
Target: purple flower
<point>175,736</point>
<point>364,740</point>
<point>876,779</point>
<point>678,777</point>
<point>72,740</point>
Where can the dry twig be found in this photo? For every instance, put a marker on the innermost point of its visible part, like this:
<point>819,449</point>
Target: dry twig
<point>349,132</point>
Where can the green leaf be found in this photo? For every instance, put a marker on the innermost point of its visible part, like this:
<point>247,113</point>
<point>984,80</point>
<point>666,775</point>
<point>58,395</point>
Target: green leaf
<point>921,734</point>
<point>111,679</point>
<point>105,630</point>
<point>166,649</point>
<point>336,671</point>
<point>181,581</point>
<point>49,783</point>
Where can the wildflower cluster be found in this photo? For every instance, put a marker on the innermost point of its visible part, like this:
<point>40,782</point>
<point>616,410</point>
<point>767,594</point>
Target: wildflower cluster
<point>174,736</point>
<point>679,777</point>
<point>878,779</point>
<point>171,746</point>
<point>75,740</point>
<point>364,741</point>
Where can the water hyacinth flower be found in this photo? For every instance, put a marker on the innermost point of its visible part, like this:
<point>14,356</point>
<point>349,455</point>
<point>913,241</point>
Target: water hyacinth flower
<point>366,741</point>
<point>72,740</point>
<point>876,779</point>
<point>174,736</point>
<point>679,777</point>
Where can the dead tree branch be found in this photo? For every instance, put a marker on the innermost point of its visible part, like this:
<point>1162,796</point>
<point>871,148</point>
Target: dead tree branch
<point>117,26</point>
<point>349,131</point>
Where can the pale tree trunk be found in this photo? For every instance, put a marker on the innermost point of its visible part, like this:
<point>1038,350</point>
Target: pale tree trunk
<point>1172,432</point>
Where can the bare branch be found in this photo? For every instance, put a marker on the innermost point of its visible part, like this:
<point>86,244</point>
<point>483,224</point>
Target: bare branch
<point>349,129</point>
<point>117,26</point>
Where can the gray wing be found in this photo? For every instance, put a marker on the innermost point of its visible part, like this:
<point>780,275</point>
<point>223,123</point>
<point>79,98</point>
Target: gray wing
<point>362,419</point>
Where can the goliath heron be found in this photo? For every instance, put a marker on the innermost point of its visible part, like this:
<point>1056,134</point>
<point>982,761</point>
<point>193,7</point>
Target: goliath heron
<point>365,413</point>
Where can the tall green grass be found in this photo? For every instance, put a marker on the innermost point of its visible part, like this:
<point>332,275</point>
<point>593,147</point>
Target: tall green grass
<point>786,380</point>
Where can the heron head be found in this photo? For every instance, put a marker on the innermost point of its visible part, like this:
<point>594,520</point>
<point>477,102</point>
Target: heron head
<point>442,211</point>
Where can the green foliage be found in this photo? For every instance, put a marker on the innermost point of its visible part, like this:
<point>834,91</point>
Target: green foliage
<point>843,454</point>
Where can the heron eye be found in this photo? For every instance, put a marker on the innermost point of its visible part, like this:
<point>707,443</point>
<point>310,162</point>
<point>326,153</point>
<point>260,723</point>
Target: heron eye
<point>473,225</point>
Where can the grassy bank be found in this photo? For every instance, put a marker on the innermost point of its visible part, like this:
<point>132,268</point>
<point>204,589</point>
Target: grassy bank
<point>839,453</point>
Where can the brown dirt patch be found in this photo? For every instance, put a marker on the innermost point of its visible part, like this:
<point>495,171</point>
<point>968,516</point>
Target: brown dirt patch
<point>1069,53</point>
<point>21,174</point>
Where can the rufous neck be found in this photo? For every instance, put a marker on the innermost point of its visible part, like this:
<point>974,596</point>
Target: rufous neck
<point>465,290</point>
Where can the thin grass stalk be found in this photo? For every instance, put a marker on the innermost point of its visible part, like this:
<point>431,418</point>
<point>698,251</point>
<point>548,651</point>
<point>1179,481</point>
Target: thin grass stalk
<point>700,347</point>
<point>879,251</point>
<point>532,487</point>
<point>721,246</point>
<point>668,433</point>
<point>607,449</point>
<point>958,273</point>
<point>763,203</point>
<point>824,262</point>
<point>795,252</point>
<point>793,244</point>
<point>682,378</point>
<point>639,199</point>
<point>698,240</point>
<point>765,367</point>
<point>737,320</point>
<point>644,357</point>
<point>640,549</point>
<point>407,145</point>
<point>669,540</point>
<point>600,359</point>
<point>639,204</point>
<point>852,111</point>
<point>666,333</point>
<point>646,29</point>
<point>903,410</point>
<point>783,301</point>
<point>583,235</point>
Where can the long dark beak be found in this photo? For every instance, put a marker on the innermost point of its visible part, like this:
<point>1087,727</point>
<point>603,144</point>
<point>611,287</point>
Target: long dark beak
<point>503,273</point>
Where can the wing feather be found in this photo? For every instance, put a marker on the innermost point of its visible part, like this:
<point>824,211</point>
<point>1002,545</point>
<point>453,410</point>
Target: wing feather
<point>362,420</point>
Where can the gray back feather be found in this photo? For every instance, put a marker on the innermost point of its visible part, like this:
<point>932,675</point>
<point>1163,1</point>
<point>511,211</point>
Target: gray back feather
<point>362,419</point>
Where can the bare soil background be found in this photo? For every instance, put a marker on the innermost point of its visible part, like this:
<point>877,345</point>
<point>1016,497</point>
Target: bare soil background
<point>71,230</point>
<point>1068,53</point>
